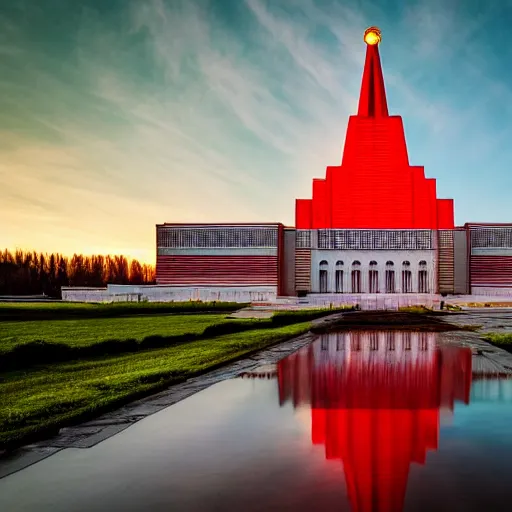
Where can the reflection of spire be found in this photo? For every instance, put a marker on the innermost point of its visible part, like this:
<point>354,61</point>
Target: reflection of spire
<point>375,400</point>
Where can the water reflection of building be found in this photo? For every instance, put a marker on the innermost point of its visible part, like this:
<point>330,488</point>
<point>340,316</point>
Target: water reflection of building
<point>375,404</point>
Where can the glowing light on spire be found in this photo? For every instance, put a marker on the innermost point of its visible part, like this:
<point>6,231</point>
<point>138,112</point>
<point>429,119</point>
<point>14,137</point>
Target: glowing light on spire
<point>372,36</point>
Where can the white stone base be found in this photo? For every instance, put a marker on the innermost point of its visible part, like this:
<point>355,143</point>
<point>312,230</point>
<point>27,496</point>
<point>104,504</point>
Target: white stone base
<point>131,293</point>
<point>85,294</point>
<point>378,301</point>
<point>488,291</point>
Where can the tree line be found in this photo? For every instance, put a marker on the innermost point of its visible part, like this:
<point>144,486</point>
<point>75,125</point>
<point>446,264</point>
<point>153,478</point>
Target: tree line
<point>32,273</point>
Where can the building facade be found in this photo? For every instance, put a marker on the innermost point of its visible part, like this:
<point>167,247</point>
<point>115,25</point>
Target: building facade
<point>373,225</point>
<point>222,255</point>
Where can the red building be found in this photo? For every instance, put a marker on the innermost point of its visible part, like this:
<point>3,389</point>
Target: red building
<point>373,225</point>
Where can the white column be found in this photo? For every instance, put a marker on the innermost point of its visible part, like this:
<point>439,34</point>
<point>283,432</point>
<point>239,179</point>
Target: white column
<point>415,281</point>
<point>431,277</point>
<point>364,279</point>
<point>382,278</point>
<point>331,278</point>
<point>349,280</point>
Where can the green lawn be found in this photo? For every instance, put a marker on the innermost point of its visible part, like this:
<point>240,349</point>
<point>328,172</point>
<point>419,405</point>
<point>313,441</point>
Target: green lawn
<point>58,310</point>
<point>47,306</point>
<point>89,331</point>
<point>414,309</point>
<point>32,343</point>
<point>59,371</point>
<point>34,402</point>
<point>503,340</point>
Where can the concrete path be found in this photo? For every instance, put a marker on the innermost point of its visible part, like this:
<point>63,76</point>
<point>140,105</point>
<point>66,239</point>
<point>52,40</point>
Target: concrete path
<point>488,319</point>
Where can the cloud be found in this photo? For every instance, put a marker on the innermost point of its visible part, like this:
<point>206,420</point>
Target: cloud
<point>168,111</point>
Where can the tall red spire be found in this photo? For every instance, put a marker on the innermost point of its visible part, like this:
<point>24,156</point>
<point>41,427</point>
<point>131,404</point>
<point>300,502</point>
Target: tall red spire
<point>372,101</point>
<point>375,187</point>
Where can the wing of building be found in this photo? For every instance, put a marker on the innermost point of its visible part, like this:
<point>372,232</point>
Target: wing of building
<point>224,261</point>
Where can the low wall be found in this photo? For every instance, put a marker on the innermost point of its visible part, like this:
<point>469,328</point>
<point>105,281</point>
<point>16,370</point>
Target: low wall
<point>264,295</point>
<point>84,294</point>
<point>71,294</point>
<point>132,293</point>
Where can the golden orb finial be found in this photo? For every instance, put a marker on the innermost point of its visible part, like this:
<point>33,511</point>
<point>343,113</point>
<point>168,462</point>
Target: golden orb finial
<point>372,35</point>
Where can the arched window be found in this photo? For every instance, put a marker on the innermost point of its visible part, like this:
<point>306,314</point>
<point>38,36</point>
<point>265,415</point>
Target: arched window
<point>373,277</point>
<point>339,276</point>
<point>356,276</point>
<point>406,277</point>
<point>390,277</point>
<point>323,276</point>
<point>422,277</point>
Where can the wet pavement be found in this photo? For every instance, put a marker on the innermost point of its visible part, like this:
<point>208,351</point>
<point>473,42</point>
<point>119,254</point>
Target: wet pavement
<point>88,434</point>
<point>378,420</point>
<point>494,320</point>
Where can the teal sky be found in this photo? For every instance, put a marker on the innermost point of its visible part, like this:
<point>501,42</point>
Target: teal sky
<point>116,115</point>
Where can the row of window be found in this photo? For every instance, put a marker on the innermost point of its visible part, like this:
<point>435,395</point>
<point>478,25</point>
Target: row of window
<point>212,237</point>
<point>445,238</point>
<point>370,239</point>
<point>373,278</point>
<point>356,263</point>
<point>346,239</point>
<point>492,237</point>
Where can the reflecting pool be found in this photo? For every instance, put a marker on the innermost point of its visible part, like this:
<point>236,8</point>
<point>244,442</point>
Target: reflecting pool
<point>356,421</point>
